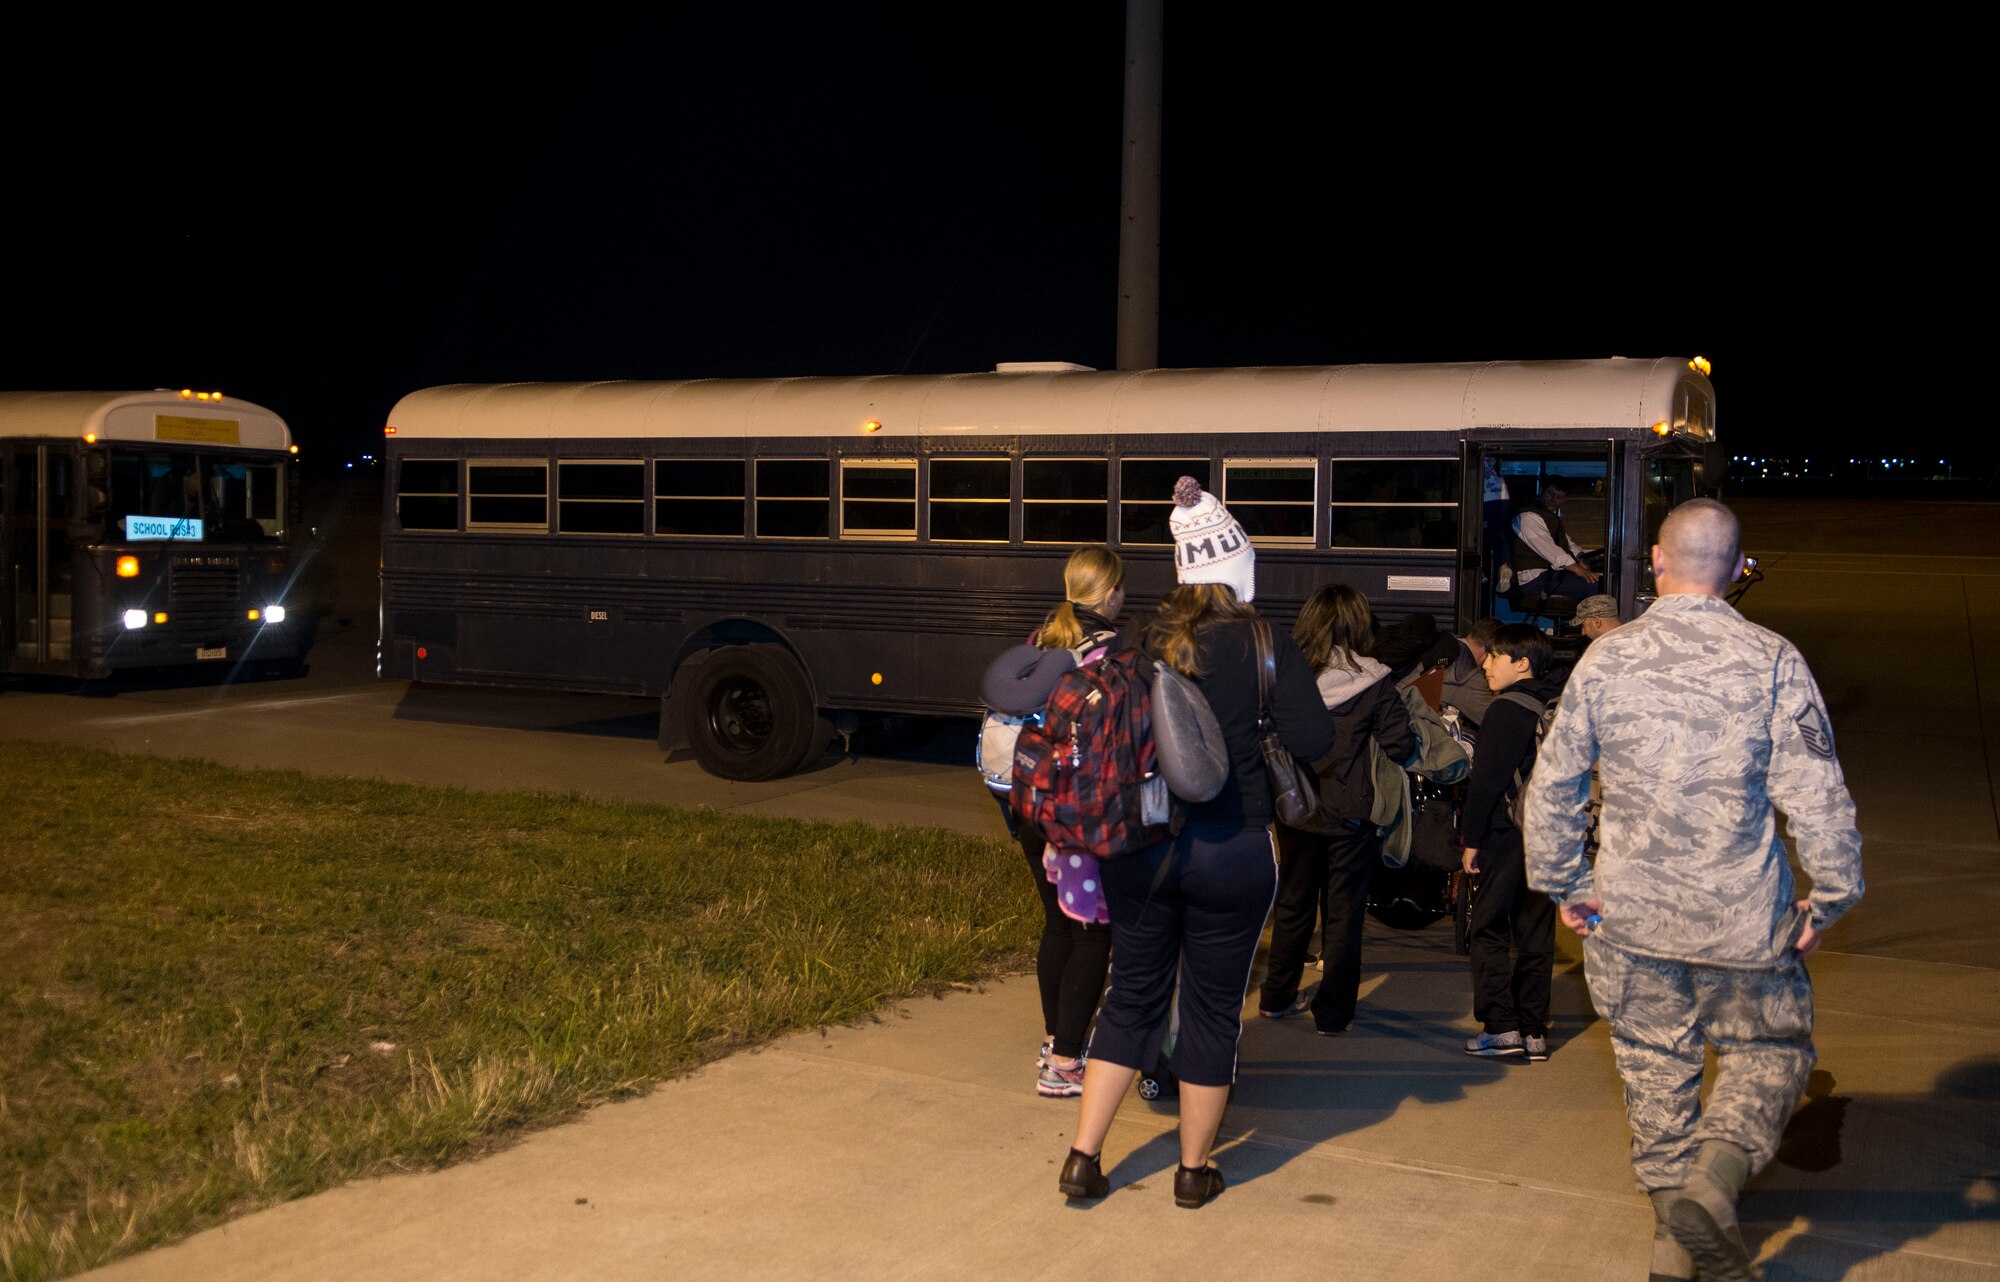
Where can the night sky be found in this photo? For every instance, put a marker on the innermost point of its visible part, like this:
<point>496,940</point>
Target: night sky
<point>329,222</point>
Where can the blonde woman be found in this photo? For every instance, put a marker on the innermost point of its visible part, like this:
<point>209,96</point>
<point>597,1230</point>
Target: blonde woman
<point>1071,963</point>
<point>1195,903</point>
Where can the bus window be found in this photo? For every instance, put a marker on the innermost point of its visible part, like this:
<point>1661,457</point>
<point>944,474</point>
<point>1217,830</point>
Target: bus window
<point>1393,503</point>
<point>234,498</point>
<point>969,498</point>
<point>1669,483</point>
<point>507,494</point>
<point>791,498</point>
<point>878,498</point>
<point>241,499</point>
<point>1146,495</point>
<point>427,494</point>
<point>698,496</point>
<point>600,496</point>
<point>1063,499</point>
<point>1273,498</point>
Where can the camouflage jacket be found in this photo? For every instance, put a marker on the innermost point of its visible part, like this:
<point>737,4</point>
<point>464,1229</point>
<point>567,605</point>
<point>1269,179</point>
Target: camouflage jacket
<point>1699,722</point>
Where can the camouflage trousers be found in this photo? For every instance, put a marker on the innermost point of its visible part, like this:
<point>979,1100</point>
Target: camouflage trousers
<point>1662,1014</point>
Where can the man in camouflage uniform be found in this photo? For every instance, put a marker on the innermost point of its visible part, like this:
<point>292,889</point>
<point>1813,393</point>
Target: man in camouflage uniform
<point>1699,722</point>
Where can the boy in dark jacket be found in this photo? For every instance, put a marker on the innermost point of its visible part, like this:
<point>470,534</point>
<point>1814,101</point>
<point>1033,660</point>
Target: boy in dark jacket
<point>1512,927</point>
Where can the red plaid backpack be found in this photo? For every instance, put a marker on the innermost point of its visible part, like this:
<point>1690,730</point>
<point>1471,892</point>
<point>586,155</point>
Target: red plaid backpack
<point>1087,777</point>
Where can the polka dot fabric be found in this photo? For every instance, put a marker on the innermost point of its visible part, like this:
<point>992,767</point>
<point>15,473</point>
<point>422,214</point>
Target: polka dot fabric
<point>1079,887</point>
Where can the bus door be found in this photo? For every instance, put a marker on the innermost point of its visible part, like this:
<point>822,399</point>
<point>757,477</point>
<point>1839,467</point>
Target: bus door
<point>1665,478</point>
<point>35,631</point>
<point>1507,476</point>
<point>27,554</point>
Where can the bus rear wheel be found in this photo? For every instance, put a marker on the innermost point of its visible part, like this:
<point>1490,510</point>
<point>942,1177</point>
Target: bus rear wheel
<point>750,714</point>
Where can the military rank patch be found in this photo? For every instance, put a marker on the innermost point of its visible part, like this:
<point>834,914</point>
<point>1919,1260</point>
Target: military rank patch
<point>1813,728</point>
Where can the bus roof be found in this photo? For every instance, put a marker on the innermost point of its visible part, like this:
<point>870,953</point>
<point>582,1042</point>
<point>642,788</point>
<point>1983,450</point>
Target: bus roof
<point>160,415</point>
<point>1611,394</point>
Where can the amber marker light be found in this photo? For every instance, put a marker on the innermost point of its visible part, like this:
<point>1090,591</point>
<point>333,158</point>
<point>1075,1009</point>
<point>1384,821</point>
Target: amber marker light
<point>871,426</point>
<point>159,616</point>
<point>295,449</point>
<point>187,393</point>
<point>90,438</point>
<point>251,615</point>
<point>388,431</point>
<point>876,679</point>
<point>1700,365</point>
<point>128,567</point>
<point>1661,429</point>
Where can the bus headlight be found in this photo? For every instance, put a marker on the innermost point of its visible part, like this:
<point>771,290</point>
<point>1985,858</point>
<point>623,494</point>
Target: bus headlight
<point>274,614</point>
<point>135,619</point>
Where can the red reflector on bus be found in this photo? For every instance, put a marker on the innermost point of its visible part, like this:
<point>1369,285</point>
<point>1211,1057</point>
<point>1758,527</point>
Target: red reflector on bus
<point>423,653</point>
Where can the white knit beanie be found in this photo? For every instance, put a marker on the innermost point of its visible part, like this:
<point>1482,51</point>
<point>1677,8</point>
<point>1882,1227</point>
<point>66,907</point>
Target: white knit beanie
<point>1209,545</point>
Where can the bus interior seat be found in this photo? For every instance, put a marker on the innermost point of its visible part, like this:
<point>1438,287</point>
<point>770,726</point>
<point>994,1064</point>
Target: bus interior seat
<point>1541,608</point>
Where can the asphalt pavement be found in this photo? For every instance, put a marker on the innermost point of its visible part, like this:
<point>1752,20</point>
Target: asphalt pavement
<point>913,1145</point>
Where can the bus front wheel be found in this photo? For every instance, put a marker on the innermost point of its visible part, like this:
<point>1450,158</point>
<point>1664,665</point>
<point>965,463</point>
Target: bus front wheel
<point>750,714</point>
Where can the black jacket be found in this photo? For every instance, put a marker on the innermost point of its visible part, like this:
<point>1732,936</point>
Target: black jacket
<point>1227,655</point>
<point>1506,745</point>
<point>1346,773</point>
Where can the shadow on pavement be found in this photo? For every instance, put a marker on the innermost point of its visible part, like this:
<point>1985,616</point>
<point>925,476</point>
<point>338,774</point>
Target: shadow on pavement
<point>1296,1090</point>
<point>610,716</point>
<point>1866,1175</point>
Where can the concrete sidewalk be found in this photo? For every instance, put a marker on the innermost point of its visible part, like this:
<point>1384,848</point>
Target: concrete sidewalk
<point>914,1146</point>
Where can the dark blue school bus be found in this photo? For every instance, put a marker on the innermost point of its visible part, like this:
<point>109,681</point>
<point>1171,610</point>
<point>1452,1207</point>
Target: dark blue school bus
<point>766,555</point>
<point>144,530</point>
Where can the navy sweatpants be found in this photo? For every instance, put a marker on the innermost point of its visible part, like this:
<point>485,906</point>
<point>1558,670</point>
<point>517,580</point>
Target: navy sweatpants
<point>1196,904</point>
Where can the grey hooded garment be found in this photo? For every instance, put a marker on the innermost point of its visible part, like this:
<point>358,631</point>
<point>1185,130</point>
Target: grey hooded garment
<point>1699,722</point>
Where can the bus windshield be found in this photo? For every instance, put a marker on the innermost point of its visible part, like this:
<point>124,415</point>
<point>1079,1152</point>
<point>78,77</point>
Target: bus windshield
<point>235,499</point>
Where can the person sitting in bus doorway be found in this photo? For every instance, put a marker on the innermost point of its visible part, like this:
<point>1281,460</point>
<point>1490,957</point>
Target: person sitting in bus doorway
<point>1547,562</point>
<point>1595,616</point>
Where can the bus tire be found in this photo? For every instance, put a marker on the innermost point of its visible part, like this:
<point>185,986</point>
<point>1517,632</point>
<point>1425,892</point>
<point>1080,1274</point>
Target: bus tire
<point>750,714</point>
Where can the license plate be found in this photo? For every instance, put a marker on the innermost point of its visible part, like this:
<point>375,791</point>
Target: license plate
<point>211,652</point>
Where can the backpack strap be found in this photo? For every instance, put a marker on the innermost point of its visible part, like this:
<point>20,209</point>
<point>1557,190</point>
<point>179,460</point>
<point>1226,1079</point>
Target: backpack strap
<point>1521,699</point>
<point>1093,641</point>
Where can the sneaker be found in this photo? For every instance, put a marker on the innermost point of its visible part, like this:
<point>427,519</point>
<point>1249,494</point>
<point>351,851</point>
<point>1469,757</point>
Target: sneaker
<point>1537,1048</point>
<point>1048,1049</point>
<point>1058,1082</point>
<point>1299,1003</point>
<point>1494,1044</point>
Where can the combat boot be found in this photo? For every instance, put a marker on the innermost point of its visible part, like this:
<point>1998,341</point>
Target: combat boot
<point>1671,1261</point>
<point>1702,1216</point>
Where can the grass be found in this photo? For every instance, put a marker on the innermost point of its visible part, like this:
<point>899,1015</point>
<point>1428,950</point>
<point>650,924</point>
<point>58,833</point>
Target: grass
<point>220,989</point>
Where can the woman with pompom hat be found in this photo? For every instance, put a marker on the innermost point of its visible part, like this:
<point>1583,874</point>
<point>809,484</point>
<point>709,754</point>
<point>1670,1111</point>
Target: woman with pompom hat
<point>1194,904</point>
